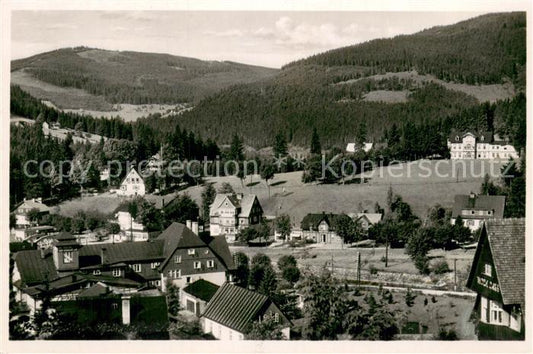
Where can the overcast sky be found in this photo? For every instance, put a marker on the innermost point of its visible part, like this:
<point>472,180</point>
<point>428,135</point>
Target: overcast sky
<point>261,38</point>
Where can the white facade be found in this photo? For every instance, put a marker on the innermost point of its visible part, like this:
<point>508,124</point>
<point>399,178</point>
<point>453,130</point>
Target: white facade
<point>132,185</point>
<point>469,147</point>
<point>222,332</point>
<point>472,224</point>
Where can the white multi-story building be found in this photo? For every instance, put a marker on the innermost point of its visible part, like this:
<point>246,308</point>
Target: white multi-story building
<point>132,185</point>
<point>483,146</point>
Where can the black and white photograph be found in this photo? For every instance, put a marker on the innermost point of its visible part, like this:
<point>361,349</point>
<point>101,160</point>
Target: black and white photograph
<point>282,177</point>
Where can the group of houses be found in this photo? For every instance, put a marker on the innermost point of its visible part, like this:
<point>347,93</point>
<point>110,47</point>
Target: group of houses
<point>200,266</point>
<point>480,146</point>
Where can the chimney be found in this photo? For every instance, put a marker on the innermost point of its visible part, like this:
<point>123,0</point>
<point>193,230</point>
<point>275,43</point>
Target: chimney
<point>188,223</point>
<point>195,227</point>
<point>126,310</point>
<point>240,196</point>
<point>103,255</point>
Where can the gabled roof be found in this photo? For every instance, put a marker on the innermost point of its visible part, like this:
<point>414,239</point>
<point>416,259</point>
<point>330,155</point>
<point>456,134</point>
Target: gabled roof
<point>481,137</point>
<point>235,307</point>
<point>178,235</point>
<point>479,202</point>
<point>372,218</point>
<point>247,203</point>
<point>202,289</point>
<point>32,204</point>
<point>132,173</point>
<point>35,269</point>
<point>243,203</point>
<point>506,239</point>
<point>313,220</point>
<point>219,246</point>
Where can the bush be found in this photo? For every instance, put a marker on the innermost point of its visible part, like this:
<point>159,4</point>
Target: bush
<point>373,270</point>
<point>449,334</point>
<point>441,267</point>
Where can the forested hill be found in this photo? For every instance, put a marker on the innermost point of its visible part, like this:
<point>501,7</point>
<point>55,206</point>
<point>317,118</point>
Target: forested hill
<point>482,50</point>
<point>137,78</point>
<point>346,95</point>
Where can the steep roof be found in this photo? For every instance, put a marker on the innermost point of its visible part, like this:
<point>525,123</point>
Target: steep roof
<point>506,239</point>
<point>479,202</point>
<point>32,204</point>
<point>178,235</point>
<point>235,307</point>
<point>313,220</point>
<point>507,243</point>
<point>243,203</point>
<point>247,203</point>
<point>202,289</point>
<point>219,246</point>
<point>35,269</point>
<point>482,136</point>
<point>132,173</point>
<point>373,218</point>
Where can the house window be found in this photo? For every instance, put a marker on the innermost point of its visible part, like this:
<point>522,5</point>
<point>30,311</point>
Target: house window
<point>174,273</point>
<point>114,306</point>
<point>276,317</point>
<point>68,257</point>
<point>136,268</point>
<point>188,280</point>
<point>487,270</point>
<point>97,272</point>
<point>197,265</point>
<point>496,313</point>
<point>117,272</point>
<point>210,263</point>
<point>154,265</point>
<point>177,259</point>
<point>190,252</point>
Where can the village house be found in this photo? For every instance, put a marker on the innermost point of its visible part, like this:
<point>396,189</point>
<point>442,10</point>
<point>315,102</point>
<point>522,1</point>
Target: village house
<point>230,213</point>
<point>482,146</point>
<point>28,208</point>
<point>498,277</point>
<point>177,255</point>
<point>354,147</point>
<point>130,228</point>
<point>366,220</point>
<point>232,311</point>
<point>132,185</point>
<point>321,228</point>
<point>475,209</point>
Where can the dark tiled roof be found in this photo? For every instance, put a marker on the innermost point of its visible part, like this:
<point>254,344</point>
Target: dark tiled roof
<point>313,220</point>
<point>479,202</point>
<point>507,244</point>
<point>202,289</point>
<point>235,307</point>
<point>35,269</point>
<point>121,252</point>
<point>178,235</point>
<point>219,246</point>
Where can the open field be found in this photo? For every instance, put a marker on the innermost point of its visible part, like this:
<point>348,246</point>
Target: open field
<point>75,100</point>
<point>64,97</point>
<point>104,203</point>
<point>483,93</point>
<point>417,182</point>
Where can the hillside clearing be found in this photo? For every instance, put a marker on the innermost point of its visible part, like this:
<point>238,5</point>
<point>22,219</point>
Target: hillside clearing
<point>290,196</point>
<point>483,93</point>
